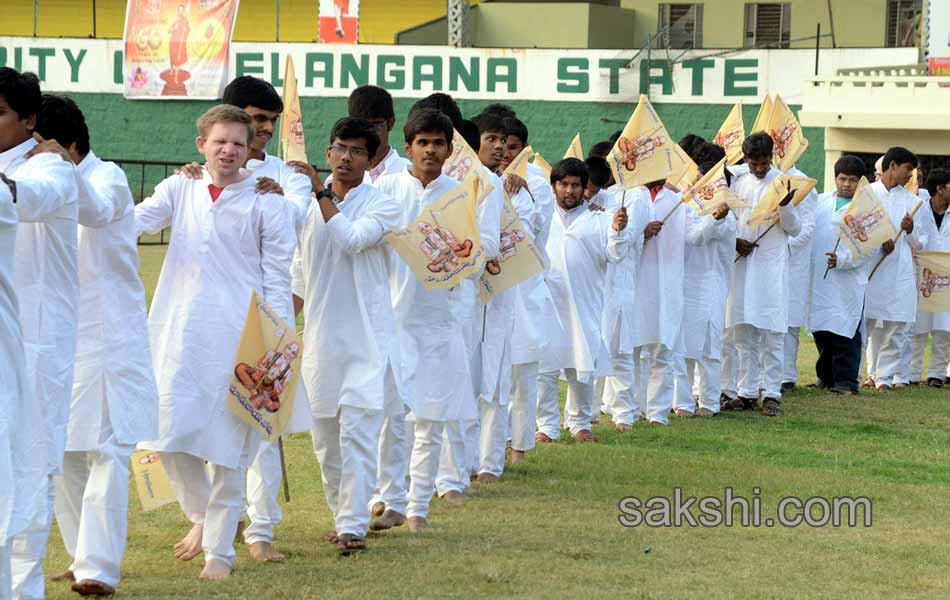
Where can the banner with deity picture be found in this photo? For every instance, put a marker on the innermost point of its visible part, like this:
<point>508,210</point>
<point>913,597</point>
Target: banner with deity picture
<point>292,143</point>
<point>788,140</point>
<point>731,134</point>
<point>765,210</point>
<point>177,49</point>
<point>866,224</point>
<point>464,162</point>
<point>644,152</point>
<point>711,191</point>
<point>151,481</point>
<point>933,282</point>
<point>339,22</point>
<point>519,164</point>
<point>519,257</point>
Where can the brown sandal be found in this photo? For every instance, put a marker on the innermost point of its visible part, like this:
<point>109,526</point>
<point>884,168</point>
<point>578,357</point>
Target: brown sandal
<point>771,408</point>
<point>349,544</point>
<point>727,403</point>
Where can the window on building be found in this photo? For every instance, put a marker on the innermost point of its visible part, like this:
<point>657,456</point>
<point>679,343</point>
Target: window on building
<point>903,22</point>
<point>767,25</point>
<point>680,26</point>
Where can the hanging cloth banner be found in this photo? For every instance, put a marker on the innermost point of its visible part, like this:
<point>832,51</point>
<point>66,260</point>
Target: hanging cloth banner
<point>177,49</point>
<point>339,22</point>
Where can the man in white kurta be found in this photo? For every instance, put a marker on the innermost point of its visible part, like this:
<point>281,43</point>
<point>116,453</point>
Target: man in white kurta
<point>837,300</point>
<point>580,246</point>
<point>432,372</point>
<point>47,286</point>
<point>890,308</point>
<point>934,237</point>
<point>114,398</point>
<point>758,300</point>
<point>341,272</point>
<point>226,241</point>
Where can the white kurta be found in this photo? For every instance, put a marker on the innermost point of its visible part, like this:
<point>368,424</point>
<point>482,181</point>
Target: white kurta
<point>759,289</point>
<point>341,270</point>
<point>391,163</point>
<point>114,378</point>
<point>218,253</point>
<point>297,187</point>
<point>581,244</point>
<point>799,259</point>
<point>838,300</point>
<point>47,285</point>
<point>932,239</point>
<point>710,252</point>
<point>432,372</point>
<point>892,292</point>
<point>618,326</point>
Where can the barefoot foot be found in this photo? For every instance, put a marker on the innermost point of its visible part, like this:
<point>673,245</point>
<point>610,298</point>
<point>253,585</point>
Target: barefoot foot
<point>215,570</point>
<point>264,552</point>
<point>190,545</point>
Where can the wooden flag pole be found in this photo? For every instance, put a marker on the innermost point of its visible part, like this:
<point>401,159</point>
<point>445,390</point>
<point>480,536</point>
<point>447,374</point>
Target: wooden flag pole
<point>825,276</point>
<point>897,238</point>
<point>756,242</point>
<point>283,468</point>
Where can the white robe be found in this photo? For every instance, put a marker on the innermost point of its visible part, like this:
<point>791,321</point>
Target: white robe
<point>932,239</point>
<point>892,292</point>
<point>432,372</point>
<point>341,270</point>
<point>759,288</point>
<point>47,285</point>
<point>618,325</point>
<point>838,300</point>
<point>799,259</point>
<point>710,252</point>
<point>581,244</point>
<point>391,163</point>
<point>297,187</point>
<point>218,253</point>
<point>114,378</point>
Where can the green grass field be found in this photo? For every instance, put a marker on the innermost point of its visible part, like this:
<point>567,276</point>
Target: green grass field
<point>550,528</point>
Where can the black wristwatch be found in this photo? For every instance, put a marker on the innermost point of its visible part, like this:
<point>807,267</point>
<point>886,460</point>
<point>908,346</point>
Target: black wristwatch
<point>323,194</point>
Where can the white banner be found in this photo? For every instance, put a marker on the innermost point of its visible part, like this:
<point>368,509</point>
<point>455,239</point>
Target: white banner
<point>700,77</point>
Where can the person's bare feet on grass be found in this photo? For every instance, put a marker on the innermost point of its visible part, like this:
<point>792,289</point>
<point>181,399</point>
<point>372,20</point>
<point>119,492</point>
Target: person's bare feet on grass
<point>190,545</point>
<point>487,478</point>
<point>516,457</point>
<point>419,525</point>
<point>389,519</point>
<point>264,552</point>
<point>682,412</point>
<point>66,575</point>
<point>215,570</point>
<point>704,412</point>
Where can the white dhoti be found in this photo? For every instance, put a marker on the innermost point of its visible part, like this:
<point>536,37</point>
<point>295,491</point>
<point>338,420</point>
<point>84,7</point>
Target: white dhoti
<point>523,410</point>
<point>761,357</point>
<point>888,343</point>
<point>424,465</point>
<point>210,495</point>
<point>347,447</point>
<point>619,390</point>
<point>729,379</point>
<point>28,549</point>
<point>790,368</point>
<point>657,402</point>
<point>92,508</point>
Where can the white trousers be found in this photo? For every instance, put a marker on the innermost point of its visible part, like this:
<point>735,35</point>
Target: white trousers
<point>578,410</point>
<point>761,358</point>
<point>790,368</point>
<point>395,447</point>
<point>210,495</point>
<point>704,376</point>
<point>683,385</point>
<point>263,488</point>
<point>424,465</point>
<point>619,390</point>
<point>347,447</point>
<point>729,379</point>
<point>939,355</point>
<point>523,409</point>
<point>888,348</point>
<point>657,402</point>
<point>28,549</point>
<point>92,509</point>
<point>493,433</point>
<point>455,467</point>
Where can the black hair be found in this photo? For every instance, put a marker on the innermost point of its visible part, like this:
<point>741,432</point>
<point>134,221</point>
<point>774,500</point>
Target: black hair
<point>250,91</point>
<point>615,136</point>
<point>489,122</point>
<point>850,164</point>
<point>370,102</point>
<point>501,110</point>
<point>900,156</point>
<point>21,92</point>
<point>60,119</point>
<point>691,143</point>
<point>599,171</point>
<point>470,134</point>
<point>601,149</point>
<point>937,177</point>
<point>427,120</point>
<point>442,103</point>
<point>708,152</point>
<point>758,146</point>
<point>353,128</point>
<point>515,127</point>
<point>570,167</point>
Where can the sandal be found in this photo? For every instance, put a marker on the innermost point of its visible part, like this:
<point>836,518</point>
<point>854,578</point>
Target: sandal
<point>329,538</point>
<point>770,408</point>
<point>349,544</point>
<point>727,403</point>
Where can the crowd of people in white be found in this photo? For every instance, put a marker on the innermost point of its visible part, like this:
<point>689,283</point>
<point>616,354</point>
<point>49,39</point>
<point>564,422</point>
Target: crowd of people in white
<point>645,311</point>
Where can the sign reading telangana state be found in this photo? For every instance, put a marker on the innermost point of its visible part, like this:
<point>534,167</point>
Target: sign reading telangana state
<point>496,74</point>
<point>176,49</point>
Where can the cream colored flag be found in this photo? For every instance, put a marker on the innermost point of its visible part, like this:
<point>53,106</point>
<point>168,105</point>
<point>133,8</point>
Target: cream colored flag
<point>711,191</point>
<point>519,164</point>
<point>464,162</point>
<point>687,174</point>
<point>575,150</point>
<point>788,139</point>
<point>151,481</point>
<point>520,258</point>
<point>442,245</point>
<point>913,184</point>
<point>291,121</point>
<point>765,210</point>
<point>866,224</point>
<point>644,152</point>
<point>540,162</point>
<point>762,117</point>
<point>933,277</point>
<point>731,135</point>
<point>266,370</point>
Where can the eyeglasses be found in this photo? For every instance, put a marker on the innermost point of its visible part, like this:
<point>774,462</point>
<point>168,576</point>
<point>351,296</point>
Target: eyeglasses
<point>380,125</point>
<point>354,151</point>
